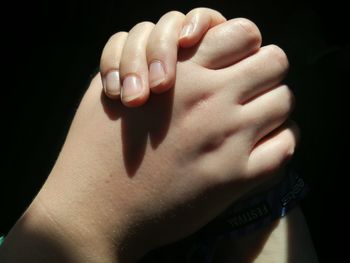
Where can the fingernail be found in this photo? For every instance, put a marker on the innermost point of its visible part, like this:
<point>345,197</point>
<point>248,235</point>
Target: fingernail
<point>187,30</point>
<point>156,73</point>
<point>111,83</point>
<point>132,88</point>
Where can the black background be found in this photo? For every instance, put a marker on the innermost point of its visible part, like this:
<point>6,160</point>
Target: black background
<point>51,49</point>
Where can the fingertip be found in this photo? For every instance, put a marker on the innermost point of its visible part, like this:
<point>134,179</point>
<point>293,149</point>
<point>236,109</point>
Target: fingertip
<point>161,52</point>
<point>134,91</point>
<point>197,23</point>
<point>162,77</point>
<point>111,84</point>
<point>192,32</point>
<point>157,73</point>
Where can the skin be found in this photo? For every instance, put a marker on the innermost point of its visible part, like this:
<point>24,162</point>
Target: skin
<point>124,175</point>
<point>288,239</point>
<point>133,53</point>
<point>166,36</point>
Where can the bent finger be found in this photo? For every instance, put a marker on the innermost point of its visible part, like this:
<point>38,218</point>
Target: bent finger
<point>109,64</point>
<point>197,23</point>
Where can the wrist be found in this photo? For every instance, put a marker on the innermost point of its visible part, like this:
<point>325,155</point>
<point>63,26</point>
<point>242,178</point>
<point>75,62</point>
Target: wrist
<point>84,242</point>
<point>37,237</point>
<point>83,217</point>
<point>51,232</point>
<point>88,216</point>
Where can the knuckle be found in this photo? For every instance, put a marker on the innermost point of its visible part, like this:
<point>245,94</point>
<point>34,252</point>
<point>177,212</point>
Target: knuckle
<point>144,24</point>
<point>278,55</point>
<point>251,30</point>
<point>196,10</point>
<point>291,147</point>
<point>290,142</point>
<point>203,10</point>
<point>118,36</point>
<point>288,100</point>
<point>174,13</point>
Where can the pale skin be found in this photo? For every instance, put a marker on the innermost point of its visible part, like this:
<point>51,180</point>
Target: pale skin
<point>272,244</point>
<point>124,175</point>
<point>149,53</point>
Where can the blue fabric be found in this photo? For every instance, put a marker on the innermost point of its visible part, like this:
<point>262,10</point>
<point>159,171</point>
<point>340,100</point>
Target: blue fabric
<point>238,220</point>
<point>249,215</point>
<point>241,218</point>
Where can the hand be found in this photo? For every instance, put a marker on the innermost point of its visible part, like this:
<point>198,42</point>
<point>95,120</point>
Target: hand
<point>187,154</point>
<point>130,180</point>
<point>147,56</point>
<point>131,53</point>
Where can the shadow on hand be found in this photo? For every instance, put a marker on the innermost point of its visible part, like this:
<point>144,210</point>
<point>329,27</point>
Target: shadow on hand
<point>151,120</point>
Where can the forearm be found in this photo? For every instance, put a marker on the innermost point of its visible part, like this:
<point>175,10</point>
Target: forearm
<point>37,238</point>
<point>67,221</point>
<point>286,240</point>
<point>32,240</point>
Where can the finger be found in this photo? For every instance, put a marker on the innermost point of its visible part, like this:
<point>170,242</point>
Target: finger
<point>162,51</point>
<point>133,66</point>
<point>267,112</point>
<point>272,152</point>
<point>109,64</point>
<point>226,44</point>
<point>257,73</point>
<point>196,24</point>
